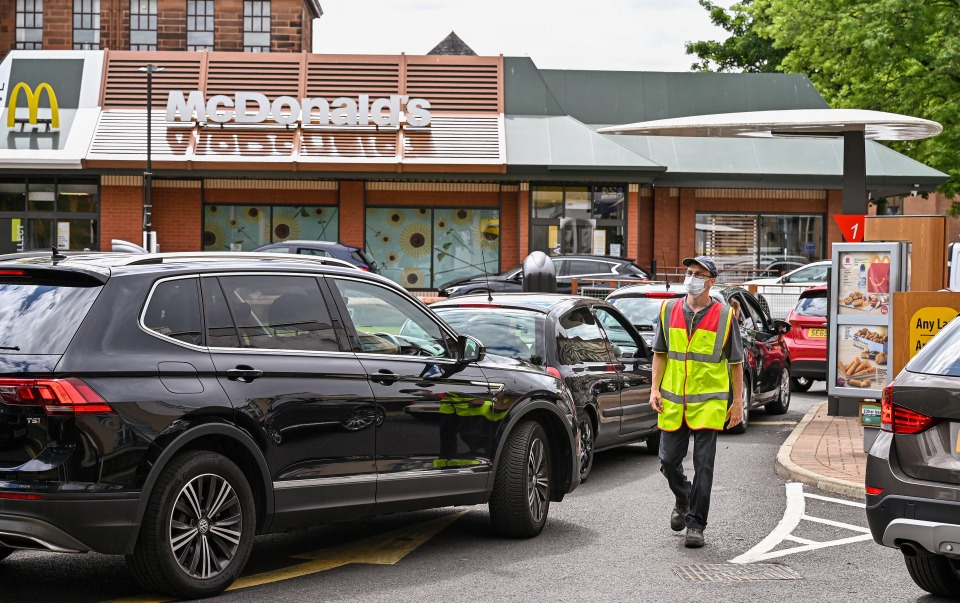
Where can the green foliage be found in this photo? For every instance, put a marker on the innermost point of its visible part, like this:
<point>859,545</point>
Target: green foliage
<point>901,56</point>
<point>744,51</point>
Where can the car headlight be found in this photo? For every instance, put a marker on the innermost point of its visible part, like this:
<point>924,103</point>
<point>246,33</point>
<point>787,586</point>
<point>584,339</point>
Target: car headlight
<point>452,290</point>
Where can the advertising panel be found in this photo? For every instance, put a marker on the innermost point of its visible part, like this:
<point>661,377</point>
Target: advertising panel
<point>863,280</point>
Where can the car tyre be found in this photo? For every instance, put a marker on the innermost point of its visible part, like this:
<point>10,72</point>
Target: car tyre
<point>198,528</point>
<point>745,401</point>
<point>935,574</point>
<point>588,436</point>
<point>782,404</point>
<point>801,384</point>
<point>521,488</point>
<point>653,443</point>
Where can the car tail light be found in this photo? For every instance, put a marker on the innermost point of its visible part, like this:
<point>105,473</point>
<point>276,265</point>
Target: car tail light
<point>873,491</point>
<point>897,419</point>
<point>56,396</point>
<point>12,273</point>
<point>662,294</point>
<point>364,268</point>
<point>19,496</point>
<point>553,371</point>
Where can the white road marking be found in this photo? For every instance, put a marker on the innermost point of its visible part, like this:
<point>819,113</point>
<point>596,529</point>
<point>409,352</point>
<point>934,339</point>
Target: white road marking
<point>792,516</point>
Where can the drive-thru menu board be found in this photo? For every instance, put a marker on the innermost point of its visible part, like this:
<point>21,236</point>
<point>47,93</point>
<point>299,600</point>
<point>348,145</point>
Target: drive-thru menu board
<point>863,280</point>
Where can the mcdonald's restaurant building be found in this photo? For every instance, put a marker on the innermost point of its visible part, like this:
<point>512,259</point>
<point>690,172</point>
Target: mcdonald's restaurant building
<point>437,166</point>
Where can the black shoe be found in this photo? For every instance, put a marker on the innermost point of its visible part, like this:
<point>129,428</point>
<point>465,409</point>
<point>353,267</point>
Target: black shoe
<point>678,518</point>
<point>694,538</point>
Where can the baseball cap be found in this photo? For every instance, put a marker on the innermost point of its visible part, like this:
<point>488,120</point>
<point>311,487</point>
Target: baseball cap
<point>705,261</point>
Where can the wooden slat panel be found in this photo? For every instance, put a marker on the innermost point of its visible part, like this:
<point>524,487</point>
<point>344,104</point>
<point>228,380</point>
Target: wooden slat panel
<point>454,137</point>
<point>329,143</point>
<point>277,77</point>
<point>126,86</point>
<point>455,87</point>
<point>245,143</point>
<point>328,77</point>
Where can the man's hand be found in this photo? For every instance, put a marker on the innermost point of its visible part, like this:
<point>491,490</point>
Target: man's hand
<point>735,412</point>
<point>656,402</point>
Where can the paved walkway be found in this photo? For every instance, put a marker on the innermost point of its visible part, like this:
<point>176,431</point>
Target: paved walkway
<point>826,452</point>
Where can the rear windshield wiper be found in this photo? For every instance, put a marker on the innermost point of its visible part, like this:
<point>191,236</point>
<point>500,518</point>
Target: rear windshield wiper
<point>10,347</point>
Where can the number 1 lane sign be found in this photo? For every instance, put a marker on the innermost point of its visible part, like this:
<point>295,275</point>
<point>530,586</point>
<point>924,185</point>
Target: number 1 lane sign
<point>851,226</point>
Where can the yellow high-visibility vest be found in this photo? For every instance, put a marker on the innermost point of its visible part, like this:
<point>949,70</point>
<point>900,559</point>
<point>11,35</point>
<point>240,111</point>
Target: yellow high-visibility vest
<point>696,380</point>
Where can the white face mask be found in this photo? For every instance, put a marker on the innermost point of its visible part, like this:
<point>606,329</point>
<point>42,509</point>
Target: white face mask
<point>694,285</point>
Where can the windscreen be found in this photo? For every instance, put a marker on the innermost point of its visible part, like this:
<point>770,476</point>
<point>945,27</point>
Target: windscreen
<point>941,355</point>
<point>505,332</point>
<point>640,311</point>
<point>41,316</point>
<point>812,306</point>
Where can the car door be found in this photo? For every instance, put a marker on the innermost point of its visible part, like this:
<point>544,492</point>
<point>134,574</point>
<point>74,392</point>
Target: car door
<point>283,361</point>
<point>770,350</point>
<point>586,362</point>
<point>633,366</point>
<point>437,434</point>
<point>752,354</point>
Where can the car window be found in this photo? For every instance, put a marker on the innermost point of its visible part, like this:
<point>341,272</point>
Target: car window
<point>378,314</point>
<point>174,310</point>
<point>813,274</point>
<point>941,355</point>
<point>814,305</point>
<point>624,343</point>
<point>276,250</point>
<point>272,312</point>
<point>756,313</point>
<point>514,333</point>
<point>631,269</point>
<point>41,315</point>
<point>221,332</point>
<point>746,318</point>
<point>317,252</point>
<point>579,339</point>
<point>641,311</point>
<point>578,267</point>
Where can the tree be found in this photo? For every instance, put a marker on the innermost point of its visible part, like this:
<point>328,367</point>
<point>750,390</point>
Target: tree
<point>745,50</point>
<point>900,56</point>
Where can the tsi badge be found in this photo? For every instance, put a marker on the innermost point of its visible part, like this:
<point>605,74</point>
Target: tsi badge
<point>33,106</point>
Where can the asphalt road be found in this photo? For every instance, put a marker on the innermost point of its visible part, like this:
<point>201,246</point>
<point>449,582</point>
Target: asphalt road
<point>608,541</point>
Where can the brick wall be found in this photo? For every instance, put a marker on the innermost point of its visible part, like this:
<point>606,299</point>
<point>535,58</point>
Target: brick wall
<point>351,212</point>
<point>121,214</point>
<point>633,222</point>
<point>8,27</point>
<point>178,218</point>
<point>171,25</point>
<point>509,230</point>
<point>645,229</point>
<point>228,25</point>
<point>523,232</point>
<point>58,25</point>
<point>286,26</point>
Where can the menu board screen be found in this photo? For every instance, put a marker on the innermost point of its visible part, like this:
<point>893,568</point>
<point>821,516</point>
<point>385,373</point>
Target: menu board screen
<point>863,356</point>
<point>864,284</point>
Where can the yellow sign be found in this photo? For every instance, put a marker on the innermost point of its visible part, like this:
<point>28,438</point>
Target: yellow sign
<point>33,104</point>
<point>15,234</point>
<point>927,322</point>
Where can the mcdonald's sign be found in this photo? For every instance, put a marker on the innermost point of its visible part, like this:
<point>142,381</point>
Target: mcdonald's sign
<point>33,104</point>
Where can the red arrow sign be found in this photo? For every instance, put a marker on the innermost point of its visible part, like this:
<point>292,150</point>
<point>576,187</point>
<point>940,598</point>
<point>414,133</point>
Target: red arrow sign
<point>851,226</point>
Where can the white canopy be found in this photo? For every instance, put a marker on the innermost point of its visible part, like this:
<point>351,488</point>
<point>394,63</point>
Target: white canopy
<point>816,123</point>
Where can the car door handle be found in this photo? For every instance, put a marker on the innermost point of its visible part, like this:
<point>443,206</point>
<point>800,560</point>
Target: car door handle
<point>243,374</point>
<point>384,377</point>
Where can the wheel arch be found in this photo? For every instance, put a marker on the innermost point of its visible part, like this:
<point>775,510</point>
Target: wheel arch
<point>222,438</point>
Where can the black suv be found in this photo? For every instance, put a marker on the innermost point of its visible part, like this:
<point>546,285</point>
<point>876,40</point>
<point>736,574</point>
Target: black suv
<point>567,267</point>
<point>168,407</point>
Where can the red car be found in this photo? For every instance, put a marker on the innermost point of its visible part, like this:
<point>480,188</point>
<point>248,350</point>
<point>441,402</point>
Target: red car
<point>807,340</point>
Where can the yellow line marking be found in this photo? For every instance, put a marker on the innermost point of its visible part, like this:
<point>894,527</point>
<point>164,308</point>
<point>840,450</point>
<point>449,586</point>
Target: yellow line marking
<point>774,422</point>
<point>380,549</point>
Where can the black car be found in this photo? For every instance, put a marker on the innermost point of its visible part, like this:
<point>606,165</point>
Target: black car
<point>586,342</point>
<point>567,268</point>
<point>351,255</point>
<point>169,407</point>
<point>766,379</point>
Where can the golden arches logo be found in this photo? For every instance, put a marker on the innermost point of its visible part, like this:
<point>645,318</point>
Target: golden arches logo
<point>33,104</point>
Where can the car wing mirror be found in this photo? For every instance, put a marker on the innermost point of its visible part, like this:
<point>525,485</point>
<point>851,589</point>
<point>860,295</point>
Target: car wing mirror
<point>469,349</point>
<point>781,327</point>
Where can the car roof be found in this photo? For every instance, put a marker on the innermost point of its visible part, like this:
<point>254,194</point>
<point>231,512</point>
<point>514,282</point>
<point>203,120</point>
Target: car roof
<point>813,290</point>
<point>539,302</point>
<point>303,243</point>
<point>641,290</point>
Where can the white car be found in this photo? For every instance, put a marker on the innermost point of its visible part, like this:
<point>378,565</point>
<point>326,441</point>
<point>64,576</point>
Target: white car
<point>778,295</point>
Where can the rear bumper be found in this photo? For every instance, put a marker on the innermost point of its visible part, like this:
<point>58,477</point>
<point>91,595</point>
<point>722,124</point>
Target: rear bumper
<point>67,523</point>
<point>811,369</point>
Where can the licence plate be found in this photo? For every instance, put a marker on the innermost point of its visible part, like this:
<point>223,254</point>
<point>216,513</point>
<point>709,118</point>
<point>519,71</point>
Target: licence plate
<point>816,332</point>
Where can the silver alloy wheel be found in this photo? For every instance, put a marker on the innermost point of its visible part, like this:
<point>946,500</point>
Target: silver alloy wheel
<point>745,399</point>
<point>785,389</point>
<point>538,482</point>
<point>586,443</point>
<point>205,526</point>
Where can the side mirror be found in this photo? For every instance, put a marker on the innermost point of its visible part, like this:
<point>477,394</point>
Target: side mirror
<point>469,349</point>
<point>784,279</point>
<point>781,327</point>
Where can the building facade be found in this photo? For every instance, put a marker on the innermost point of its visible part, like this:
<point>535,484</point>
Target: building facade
<point>438,166</point>
<point>158,25</point>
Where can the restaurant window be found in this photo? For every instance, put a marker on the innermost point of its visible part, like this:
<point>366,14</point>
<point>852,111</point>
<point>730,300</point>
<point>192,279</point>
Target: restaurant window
<point>422,248</point>
<point>578,219</point>
<point>199,25</point>
<point>29,25</point>
<point>41,213</point>
<point>246,227</point>
<point>143,24</point>
<point>755,245</point>
<point>86,24</point>
<point>256,25</point>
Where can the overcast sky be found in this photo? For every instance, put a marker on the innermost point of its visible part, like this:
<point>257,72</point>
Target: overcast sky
<point>636,35</point>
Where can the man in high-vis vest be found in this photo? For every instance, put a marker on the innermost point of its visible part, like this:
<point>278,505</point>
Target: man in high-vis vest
<point>697,357</point>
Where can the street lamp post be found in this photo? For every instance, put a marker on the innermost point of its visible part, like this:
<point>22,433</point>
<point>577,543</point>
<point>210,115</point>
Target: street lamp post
<point>149,69</point>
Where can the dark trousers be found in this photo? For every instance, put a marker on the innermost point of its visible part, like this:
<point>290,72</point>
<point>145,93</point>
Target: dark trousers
<point>673,449</point>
